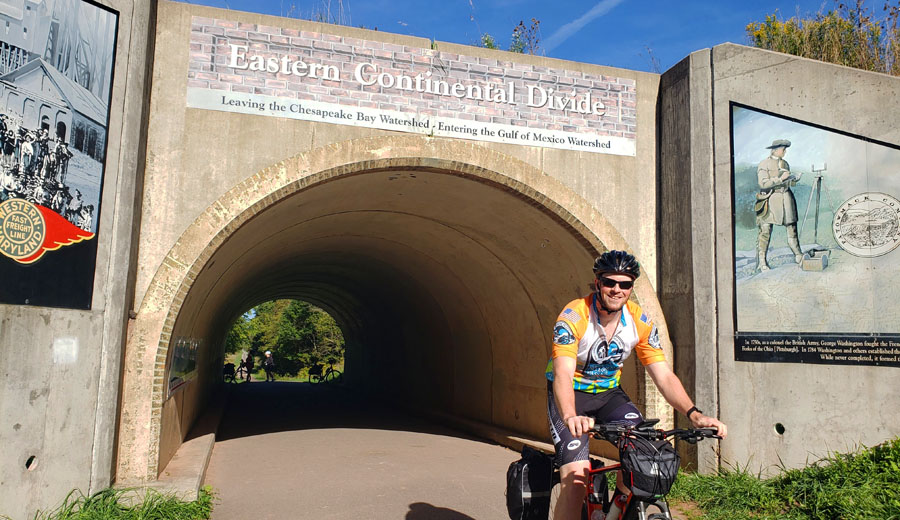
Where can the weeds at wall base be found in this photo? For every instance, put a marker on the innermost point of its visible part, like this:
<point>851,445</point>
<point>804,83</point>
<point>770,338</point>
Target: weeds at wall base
<point>119,504</point>
<point>858,486</point>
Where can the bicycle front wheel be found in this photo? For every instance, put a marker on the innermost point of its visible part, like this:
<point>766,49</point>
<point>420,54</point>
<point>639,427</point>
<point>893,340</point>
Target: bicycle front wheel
<point>333,376</point>
<point>655,510</point>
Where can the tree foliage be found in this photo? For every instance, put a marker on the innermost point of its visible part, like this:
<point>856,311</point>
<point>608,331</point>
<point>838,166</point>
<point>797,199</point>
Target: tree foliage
<point>851,35</point>
<point>298,334</point>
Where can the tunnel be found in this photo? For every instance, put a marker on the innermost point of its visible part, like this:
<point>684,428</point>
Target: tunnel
<point>445,278</point>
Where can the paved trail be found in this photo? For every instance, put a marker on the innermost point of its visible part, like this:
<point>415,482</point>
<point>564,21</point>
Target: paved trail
<point>294,450</point>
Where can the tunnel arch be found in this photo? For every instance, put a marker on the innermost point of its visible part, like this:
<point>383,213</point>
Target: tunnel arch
<point>330,170</point>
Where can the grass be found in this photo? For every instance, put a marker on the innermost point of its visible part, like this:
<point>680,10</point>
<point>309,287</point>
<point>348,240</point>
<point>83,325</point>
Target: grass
<point>258,374</point>
<point>859,486</point>
<point>110,504</point>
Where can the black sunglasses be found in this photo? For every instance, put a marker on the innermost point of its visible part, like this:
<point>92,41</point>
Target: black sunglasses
<point>609,283</point>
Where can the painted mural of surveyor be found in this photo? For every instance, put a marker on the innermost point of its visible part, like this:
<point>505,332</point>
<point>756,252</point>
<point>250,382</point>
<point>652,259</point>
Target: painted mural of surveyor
<point>775,202</point>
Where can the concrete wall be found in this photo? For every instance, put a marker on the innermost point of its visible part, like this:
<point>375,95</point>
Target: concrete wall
<point>59,409</point>
<point>206,167</point>
<point>685,242</point>
<point>822,407</point>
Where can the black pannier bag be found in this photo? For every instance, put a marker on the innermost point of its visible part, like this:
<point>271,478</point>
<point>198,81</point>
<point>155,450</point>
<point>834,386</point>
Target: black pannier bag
<point>528,484</point>
<point>648,467</point>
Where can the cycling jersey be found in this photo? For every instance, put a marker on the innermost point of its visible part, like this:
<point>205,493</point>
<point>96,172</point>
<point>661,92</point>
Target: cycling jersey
<point>578,334</point>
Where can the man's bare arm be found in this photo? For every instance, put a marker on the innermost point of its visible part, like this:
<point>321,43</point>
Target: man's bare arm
<point>673,391</point>
<point>564,394</point>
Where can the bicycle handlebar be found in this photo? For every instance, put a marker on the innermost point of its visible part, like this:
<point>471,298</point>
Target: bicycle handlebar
<point>612,432</point>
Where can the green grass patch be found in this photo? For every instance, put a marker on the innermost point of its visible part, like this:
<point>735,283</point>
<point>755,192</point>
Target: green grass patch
<point>858,486</point>
<point>113,504</point>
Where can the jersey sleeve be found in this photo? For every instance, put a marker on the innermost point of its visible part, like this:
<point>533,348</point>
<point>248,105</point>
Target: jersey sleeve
<point>649,349</point>
<point>570,326</point>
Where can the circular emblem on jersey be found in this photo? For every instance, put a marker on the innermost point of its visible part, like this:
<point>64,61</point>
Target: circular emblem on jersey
<point>22,229</point>
<point>868,224</point>
<point>574,445</point>
<point>653,340</point>
<point>562,334</point>
<point>631,415</point>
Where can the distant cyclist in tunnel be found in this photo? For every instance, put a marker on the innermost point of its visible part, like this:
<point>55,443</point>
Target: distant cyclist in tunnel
<point>591,340</point>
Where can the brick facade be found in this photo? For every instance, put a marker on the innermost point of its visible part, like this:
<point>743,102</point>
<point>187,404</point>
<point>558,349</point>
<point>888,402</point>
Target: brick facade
<point>211,53</point>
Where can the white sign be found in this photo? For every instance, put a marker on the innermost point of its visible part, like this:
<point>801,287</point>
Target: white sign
<point>404,122</point>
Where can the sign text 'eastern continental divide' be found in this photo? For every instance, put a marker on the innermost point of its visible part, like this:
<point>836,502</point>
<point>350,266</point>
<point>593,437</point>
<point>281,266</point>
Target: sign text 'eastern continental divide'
<point>253,69</point>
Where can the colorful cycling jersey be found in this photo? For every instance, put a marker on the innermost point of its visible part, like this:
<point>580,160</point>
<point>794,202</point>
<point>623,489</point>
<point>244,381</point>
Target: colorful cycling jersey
<point>579,335</point>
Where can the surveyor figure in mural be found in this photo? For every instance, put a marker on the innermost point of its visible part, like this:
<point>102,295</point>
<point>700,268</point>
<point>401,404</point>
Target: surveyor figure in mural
<point>775,202</point>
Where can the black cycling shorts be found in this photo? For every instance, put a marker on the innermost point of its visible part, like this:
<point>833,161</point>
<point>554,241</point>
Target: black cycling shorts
<point>611,406</point>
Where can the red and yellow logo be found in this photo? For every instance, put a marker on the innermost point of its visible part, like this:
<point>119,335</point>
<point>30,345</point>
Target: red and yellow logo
<point>27,231</point>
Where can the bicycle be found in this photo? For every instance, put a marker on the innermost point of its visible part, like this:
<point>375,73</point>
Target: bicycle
<point>241,372</point>
<point>598,497</point>
<point>331,374</point>
<point>228,373</point>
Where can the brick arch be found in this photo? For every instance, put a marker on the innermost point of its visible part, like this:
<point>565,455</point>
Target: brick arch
<point>149,337</point>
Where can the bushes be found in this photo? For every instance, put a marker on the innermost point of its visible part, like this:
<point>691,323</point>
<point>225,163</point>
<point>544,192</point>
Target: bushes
<point>848,35</point>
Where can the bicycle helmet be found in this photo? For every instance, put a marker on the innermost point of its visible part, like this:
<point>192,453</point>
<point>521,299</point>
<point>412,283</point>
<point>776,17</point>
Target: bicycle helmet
<point>617,262</point>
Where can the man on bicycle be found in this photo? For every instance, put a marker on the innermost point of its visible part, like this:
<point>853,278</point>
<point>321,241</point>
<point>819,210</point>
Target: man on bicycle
<point>591,340</point>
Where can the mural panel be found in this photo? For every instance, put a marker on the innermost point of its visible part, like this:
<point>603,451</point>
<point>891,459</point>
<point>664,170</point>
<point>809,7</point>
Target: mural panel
<point>816,228</point>
<point>56,64</point>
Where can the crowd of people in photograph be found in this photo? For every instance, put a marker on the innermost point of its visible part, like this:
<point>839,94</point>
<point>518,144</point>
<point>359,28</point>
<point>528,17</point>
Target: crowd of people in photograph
<point>33,167</point>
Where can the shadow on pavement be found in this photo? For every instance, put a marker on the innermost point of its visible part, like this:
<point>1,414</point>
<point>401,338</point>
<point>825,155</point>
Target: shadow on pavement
<point>261,408</point>
<point>423,511</point>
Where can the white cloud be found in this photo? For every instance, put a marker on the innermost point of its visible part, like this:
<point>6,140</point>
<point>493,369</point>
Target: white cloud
<point>567,30</point>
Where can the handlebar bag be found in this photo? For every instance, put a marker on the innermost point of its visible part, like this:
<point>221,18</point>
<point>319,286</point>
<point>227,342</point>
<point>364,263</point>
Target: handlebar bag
<point>528,484</point>
<point>648,467</point>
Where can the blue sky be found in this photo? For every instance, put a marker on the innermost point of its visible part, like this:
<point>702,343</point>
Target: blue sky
<point>617,33</point>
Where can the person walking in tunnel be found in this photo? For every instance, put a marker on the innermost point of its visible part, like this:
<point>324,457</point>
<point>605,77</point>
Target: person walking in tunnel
<point>592,338</point>
<point>269,366</point>
<point>248,366</point>
<point>775,202</point>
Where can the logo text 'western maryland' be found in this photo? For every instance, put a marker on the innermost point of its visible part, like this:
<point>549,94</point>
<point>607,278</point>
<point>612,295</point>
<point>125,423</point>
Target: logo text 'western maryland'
<point>27,231</point>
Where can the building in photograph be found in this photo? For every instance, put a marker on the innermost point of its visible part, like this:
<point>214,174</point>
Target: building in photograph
<point>43,98</point>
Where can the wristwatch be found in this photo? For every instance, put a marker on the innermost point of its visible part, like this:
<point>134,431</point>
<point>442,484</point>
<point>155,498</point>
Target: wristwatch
<point>692,410</point>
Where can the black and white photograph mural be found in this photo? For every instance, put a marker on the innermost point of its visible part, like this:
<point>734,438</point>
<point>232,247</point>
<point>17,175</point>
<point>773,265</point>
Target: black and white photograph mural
<point>56,71</point>
<point>816,232</point>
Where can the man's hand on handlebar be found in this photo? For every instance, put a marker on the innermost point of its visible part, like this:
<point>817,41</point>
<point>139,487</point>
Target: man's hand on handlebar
<point>702,421</point>
<point>579,424</point>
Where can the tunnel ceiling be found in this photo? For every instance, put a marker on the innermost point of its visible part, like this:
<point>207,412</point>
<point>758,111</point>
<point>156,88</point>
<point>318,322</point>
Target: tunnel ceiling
<point>418,243</point>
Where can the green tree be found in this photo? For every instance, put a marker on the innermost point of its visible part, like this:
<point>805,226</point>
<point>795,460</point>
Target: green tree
<point>850,35</point>
<point>238,336</point>
<point>298,334</point>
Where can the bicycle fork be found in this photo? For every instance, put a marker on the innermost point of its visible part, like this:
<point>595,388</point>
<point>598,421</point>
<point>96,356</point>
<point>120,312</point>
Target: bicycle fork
<point>660,504</point>
<point>640,510</point>
<point>636,509</point>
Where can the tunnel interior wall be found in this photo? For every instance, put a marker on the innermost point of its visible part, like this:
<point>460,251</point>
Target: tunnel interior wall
<point>61,367</point>
<point>813,402</point>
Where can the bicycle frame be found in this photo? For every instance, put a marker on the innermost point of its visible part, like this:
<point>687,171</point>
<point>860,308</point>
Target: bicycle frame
<point>635,508</point>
